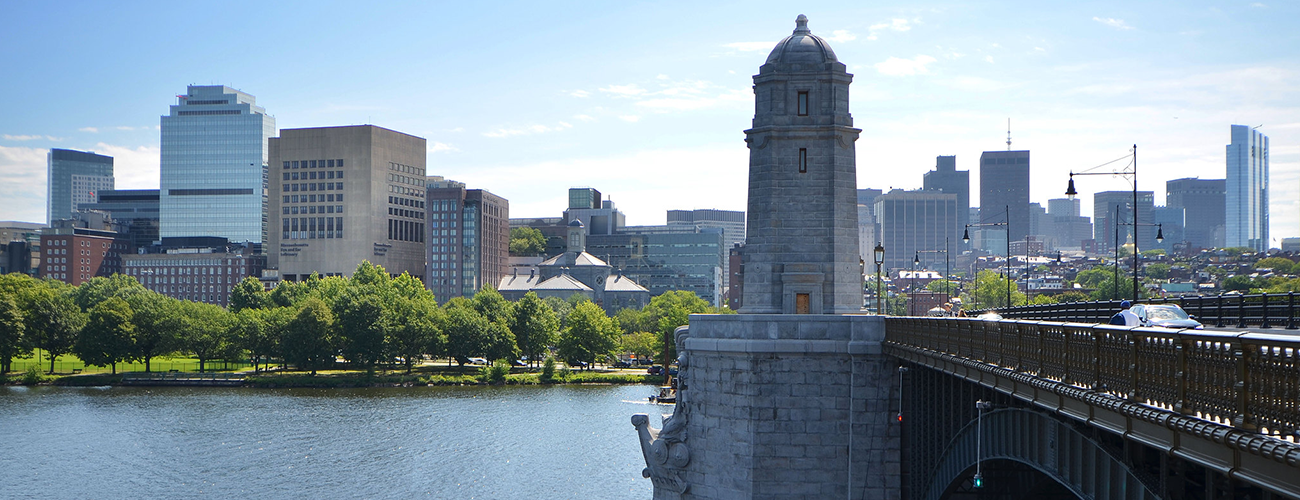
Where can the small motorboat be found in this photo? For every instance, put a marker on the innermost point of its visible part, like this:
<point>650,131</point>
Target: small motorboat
<point>667,395</point>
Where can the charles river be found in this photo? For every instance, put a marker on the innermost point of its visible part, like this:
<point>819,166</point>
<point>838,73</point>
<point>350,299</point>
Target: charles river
<point>428,442</point>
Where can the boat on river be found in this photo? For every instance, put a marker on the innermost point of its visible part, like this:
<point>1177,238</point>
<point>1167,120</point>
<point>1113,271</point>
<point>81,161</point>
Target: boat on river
<point>667,395</point>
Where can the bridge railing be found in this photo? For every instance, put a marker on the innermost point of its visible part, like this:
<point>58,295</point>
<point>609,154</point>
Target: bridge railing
<point>1262,310</point>
<point>1250,381</point>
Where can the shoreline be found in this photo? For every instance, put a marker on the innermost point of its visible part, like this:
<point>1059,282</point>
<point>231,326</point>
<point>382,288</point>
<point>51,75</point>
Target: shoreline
<point>352,380</point>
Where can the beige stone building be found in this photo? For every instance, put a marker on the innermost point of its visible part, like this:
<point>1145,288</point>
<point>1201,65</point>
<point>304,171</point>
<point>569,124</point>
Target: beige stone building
<point>341,195</point>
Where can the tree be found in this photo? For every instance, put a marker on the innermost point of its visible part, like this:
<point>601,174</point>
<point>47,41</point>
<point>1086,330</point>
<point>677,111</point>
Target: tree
<point>561,307</point>
<point>100,288</point>
<point>1280,265</point>
<point>204,330</point>
<point>53,322</point>
<point>990,291</point>
<point>107,337</point>
<point>288,293</point>
<point>249,294</point>
<point>670,310</point>
<point>466,332</point>
<point>308,342</point>
<point>1238,283</point>
<point>248,331</point>
<point>499,342</point>
<point>1072,296</point>
<point>643,344</point>
<point>1107,291</point>
<point>362,326</point>
<point>1092,278</point>
<point>370,274</point>
<point>1156,271</point>
<point>153,318</point>
<point>415,329</point>
<point>493,306</point>
<point>591,335</point>
<point>527,242</point>
<point>12,343</point>
<point>536,326</point>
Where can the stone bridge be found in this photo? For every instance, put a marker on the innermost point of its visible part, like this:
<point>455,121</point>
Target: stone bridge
<point>867,407</point>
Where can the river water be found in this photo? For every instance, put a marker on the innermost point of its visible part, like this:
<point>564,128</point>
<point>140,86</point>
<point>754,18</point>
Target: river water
<point>426,442</point>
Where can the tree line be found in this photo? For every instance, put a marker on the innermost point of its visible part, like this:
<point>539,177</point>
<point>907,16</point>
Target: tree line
<point>367,320</point>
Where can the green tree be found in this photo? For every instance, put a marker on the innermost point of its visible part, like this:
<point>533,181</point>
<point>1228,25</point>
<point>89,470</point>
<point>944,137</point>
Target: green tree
<point>153,316</point>
<point>561,307</point>
<point>536,326</point>
<point>1092,278</point>
<point>591,335</point>
<point>370,274</point>
<point>249,294</point>
<point>12,343</point>
<point>362,326</point>
<point>1156,271</point>
<point>1238,283</point>
<point>1072,296</point>
<point>288,293</point>
<point>493,306</point>
<point>636,320</point>
<point>670,310</point>
<point>1280,265</point>
<point>203,330</point>
<point>308,342</point>
<point>990,291</point>
<point>466,333</point>
<point>53,322</point>
<point>499,342</point>
<point>100,288</point>
<point>107,336</point>
<point>643,344</point>
<point>1107,291</point>
<point>415,328</point>
<point>527,242</point>
<point>249,331</point>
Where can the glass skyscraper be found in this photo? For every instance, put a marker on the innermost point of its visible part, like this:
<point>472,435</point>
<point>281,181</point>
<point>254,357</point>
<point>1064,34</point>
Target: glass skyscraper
<point>1246,199</point>
<point>75,177</point>
<point>214,166</point>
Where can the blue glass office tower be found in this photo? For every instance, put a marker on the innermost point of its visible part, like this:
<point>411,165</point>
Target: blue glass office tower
<point>214,166</point>
<point>75,177</point>
<point>1246,200</point>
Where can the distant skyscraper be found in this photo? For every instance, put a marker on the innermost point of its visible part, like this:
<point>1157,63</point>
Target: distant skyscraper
<point>1202,203</point>
<point>134,211</point>
<point>1067,228</point>
<point>730,222</point>
<point>915,224</point>
<point>946,178</point>
<point>1104,219</point>
<point>74,178</point>
<point>584,197</point>
<point>213,171</point>
<point>1246,200</point>
<point>1004,186</point>
<point>460,264</point>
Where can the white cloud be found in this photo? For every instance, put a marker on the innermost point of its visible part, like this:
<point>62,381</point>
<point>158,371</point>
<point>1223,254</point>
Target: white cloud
<point>891,25</point>
<point>527,130</point>
<point>440,146</point>
<point>630,118</point>
<point>750,46</point>
<point>124,127</point>
<point>31,137</point>
<point>457,129</point>
<point>1039,49</point>
<point>22,184</point>
<point>628,90</point>
<point>895,66</point>
<point>579,93</point>
<point>661,77</point>
<point>584,118</point>
<point>1112,22</point>
<point>842,36</point>
<point>92,130</point>
<point>989,59</point>
<point>1258,5</point>
<point>133,168</point>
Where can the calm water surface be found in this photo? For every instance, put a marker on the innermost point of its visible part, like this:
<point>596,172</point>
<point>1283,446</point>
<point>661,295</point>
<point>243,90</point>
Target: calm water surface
<point>444,442</point>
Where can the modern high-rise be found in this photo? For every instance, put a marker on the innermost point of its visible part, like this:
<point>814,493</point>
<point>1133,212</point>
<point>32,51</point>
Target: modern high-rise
<point>1067,228</point>
<point>134,212</point>
<point>1246,198</point>
<point>75,177</point>
<point>602,217</point>
<point>342,195</point>
<point>730,222</point>
<point>1104,219</point>
<point>469,238</point>
<point>1202,203</point>
<point>946,178</point>
<point>917,224</point>
<point>1004,187</point>
<point>213,170</point>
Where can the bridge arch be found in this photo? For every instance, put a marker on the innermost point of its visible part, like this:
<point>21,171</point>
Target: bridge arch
<point>1036,440</point>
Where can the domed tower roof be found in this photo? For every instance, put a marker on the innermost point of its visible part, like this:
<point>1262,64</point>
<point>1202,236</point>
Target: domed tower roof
<point>576,223</point>
<point>802,47</point>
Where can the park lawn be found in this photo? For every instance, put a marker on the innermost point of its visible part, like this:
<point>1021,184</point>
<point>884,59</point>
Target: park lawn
<point>67,363</point>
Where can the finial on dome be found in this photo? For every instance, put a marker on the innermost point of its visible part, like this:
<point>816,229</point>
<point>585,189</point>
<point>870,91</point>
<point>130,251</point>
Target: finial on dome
<point>801,25</point>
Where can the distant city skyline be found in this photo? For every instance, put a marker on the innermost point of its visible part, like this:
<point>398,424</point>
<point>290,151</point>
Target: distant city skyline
<point>650,102</point>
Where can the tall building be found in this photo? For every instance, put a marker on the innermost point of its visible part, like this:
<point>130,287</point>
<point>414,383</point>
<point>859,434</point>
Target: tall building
<point>1170,222</point>
<point>213,170</point>
<point>75,177</point>
<point>801,248</point>
<point>1004,186</point>
<point>134,212</point>
<point>584,197</point>
<point>946,178</point>
<point>1202,203</point>
<point>1104,219</point>
<point>917,224</point>
<point>600,218</point>
<point>1246,198</point>
<point>343,195</point>
<point>730,222</point>
<point>1067,229</point>
<point>663,261</point>
<point>20,247</point>
<point>469,238</point>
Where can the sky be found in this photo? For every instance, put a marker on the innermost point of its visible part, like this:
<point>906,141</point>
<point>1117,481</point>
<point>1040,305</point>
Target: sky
<point>647,102</point>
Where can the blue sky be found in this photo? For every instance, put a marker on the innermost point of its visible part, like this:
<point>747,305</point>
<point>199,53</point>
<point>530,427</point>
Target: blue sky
<point>647,101</point>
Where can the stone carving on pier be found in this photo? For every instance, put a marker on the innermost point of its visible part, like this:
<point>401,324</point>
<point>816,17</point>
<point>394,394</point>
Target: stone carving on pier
<point>665,450</point>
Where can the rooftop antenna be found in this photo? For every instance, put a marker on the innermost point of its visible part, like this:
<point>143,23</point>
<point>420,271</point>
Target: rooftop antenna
<point>1008,134</point>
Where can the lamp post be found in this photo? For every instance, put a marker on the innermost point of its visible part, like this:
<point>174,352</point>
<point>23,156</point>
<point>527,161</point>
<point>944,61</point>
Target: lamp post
<point>1133,173</point>
<point>911,293</point>
<point>1160,238</point>
<point>1006,266</point>
<point>880,259</point>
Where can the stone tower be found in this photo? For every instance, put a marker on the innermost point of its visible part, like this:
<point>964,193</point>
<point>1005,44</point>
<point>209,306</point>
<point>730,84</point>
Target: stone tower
<point>801,253</point>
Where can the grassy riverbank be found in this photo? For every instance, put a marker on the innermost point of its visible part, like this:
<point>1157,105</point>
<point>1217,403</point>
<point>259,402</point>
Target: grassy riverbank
<point>424,376</point>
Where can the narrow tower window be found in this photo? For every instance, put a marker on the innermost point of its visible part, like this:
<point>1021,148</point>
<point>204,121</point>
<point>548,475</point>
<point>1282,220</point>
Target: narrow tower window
<point>803,160</point>
<point>803,103</point>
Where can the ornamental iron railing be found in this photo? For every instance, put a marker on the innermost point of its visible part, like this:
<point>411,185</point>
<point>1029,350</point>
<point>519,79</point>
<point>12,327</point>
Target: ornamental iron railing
<point>1263,310</point>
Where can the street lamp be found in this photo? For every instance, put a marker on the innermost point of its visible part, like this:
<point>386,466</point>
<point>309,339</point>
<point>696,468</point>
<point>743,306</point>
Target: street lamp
<point>1133,173</point>
<point>1006,266</point>
<point>911,292</point>
<point>1160,238</point>
<point>880,259</point>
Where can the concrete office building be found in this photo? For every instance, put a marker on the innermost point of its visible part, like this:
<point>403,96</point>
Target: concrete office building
<point>1246,196</point>
<point>342,195</point>
<point>1170,220</point>
<point>1202,204</point>
<point>801,248</point>
<point>199,269</point>
<point>1004,186</point>
<point>134,212</point>
<point>731,222</point>
<point>601,218</point>
<point>868,235</point>
<point>917,224</point>
<point>1104,219</point>
<point>946,178</point>
<point>213,170</point>
<point>469,239</point>
<point>75,177</point>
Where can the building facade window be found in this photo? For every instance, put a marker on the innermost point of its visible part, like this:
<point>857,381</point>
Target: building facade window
<point>803,160</point>
<point>803,103</point>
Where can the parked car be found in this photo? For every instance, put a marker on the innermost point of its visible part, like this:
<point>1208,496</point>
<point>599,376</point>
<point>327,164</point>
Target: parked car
<point>477,361</point>
<point>519,363</point>
<point>1165,315</point>
<point>621,364</point>
<point>578,364</point>
<point>655,370</point>
<point>990,316</point>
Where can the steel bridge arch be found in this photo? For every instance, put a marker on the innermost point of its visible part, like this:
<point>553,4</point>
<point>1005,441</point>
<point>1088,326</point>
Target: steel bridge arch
<point>1035,439</point>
